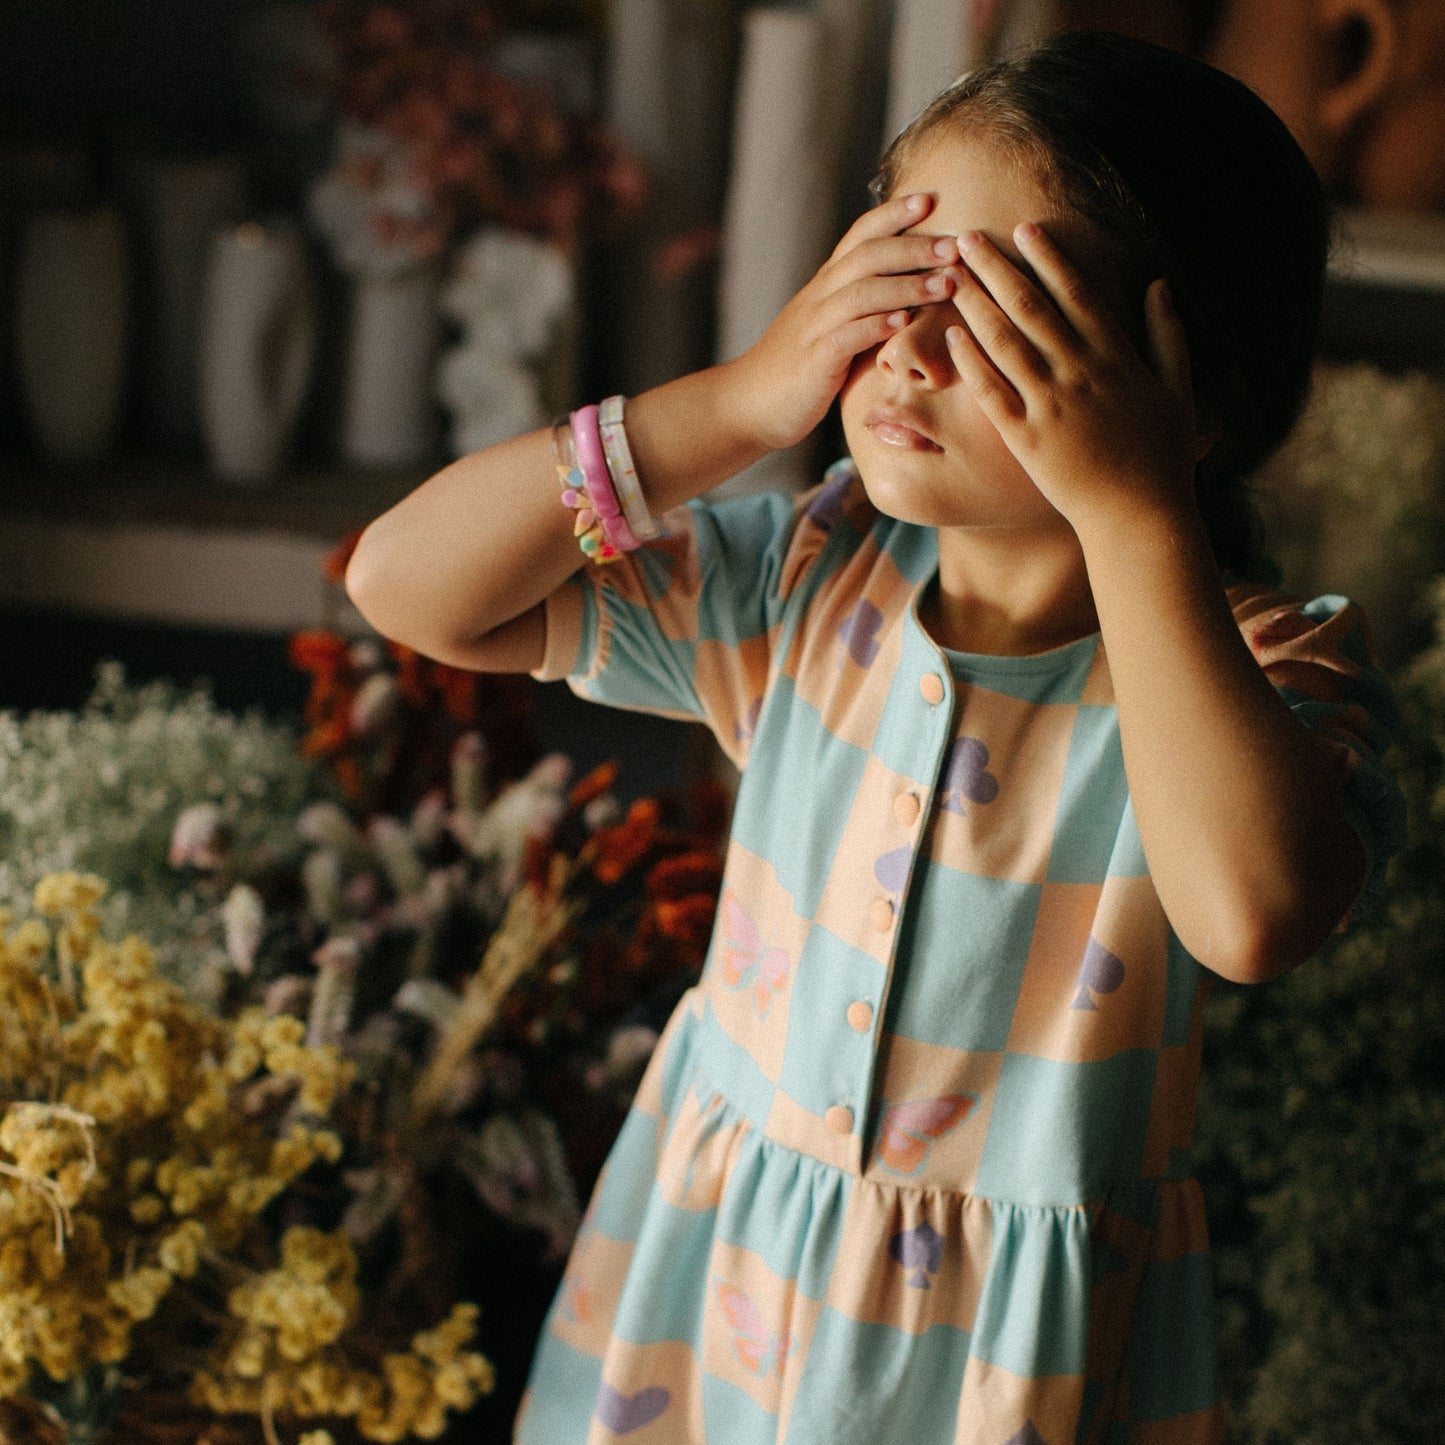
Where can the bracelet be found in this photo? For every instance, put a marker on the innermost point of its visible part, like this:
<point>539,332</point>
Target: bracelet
<point>592,461</point>
<point>623,470</point>
<point>587,529</point>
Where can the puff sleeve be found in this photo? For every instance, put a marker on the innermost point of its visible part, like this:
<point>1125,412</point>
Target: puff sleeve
<point>1317,654</point>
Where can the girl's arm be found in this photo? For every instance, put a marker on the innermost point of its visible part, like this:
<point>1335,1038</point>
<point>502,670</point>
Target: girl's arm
<point>1240,807</point>
<point>457,569</point>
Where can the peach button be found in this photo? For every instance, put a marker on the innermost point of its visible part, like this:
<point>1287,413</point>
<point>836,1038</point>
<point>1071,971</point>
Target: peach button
<point>881,914</point>
<point>931,686</point>
<point>839,1119</point>
<point>860,1016</point>
<point>906,809</point>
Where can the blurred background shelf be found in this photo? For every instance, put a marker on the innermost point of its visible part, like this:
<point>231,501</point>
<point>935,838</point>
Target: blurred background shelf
<point>158,540</point>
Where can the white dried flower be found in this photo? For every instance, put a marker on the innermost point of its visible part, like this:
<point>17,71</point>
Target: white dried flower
<point>244,917</point>
<point>199,839</point>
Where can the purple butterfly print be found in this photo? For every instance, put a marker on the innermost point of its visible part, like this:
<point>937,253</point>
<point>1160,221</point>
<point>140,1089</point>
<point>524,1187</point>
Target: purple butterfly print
<point>919,1249</point>
<point>860,632</point>
<point>744,730</point>
<point>1027,1436</point>
<point>966,775</point>
<point>891,869</point>
<point>622,1414</point>
<point>1100,972</point>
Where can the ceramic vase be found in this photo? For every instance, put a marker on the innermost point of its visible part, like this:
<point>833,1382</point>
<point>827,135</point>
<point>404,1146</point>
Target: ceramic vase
<point>389,415</point>
<point>257,348</point>
<point>70,331</point>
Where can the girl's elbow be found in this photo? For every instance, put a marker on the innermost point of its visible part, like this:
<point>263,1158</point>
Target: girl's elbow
<point>1255,946</point>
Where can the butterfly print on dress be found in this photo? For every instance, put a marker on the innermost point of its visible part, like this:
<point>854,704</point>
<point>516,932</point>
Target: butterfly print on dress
<point>747,962</point>
<point>910,1128</point>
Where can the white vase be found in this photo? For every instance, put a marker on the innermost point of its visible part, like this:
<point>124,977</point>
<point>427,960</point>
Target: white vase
<point>389,416</point>
<point>258,343</point>
<point>70,330</point>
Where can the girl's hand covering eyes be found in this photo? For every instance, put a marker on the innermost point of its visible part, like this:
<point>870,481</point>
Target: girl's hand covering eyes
<point>1094,423</point>
<point>861,295</point>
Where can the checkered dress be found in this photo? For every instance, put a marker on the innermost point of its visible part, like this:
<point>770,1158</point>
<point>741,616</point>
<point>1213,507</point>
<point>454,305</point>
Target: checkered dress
<point>909,1163</point>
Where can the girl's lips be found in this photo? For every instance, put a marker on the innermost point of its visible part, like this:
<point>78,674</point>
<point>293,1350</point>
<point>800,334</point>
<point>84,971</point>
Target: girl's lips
<point>895,430</point>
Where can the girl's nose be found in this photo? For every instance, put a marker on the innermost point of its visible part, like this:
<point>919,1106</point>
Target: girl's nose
<point>917,352</point>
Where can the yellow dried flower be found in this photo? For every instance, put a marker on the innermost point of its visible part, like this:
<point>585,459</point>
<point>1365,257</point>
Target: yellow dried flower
<point>59,893</point>
<point>180,1250</point>
<point>140,1292</point>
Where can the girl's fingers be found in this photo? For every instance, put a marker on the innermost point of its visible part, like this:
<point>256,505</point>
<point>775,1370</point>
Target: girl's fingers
<point>1025,304</point>
<point>992,329</point>
<point>997,397</point>
<point>888,219</point>
<point>1069,290</point>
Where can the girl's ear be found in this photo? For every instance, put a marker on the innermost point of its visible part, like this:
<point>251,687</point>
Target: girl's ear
<point>1362,44</point>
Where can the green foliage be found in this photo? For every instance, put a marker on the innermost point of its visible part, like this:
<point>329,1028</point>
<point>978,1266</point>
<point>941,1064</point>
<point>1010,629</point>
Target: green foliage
<point>1321,1145</point>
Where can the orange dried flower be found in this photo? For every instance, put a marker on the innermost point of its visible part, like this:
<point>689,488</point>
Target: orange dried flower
<point>594,785</point>
<point>621,847</point>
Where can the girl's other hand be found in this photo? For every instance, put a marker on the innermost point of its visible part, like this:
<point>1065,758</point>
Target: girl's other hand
<point>862,294</point>
<point>1093,422</point>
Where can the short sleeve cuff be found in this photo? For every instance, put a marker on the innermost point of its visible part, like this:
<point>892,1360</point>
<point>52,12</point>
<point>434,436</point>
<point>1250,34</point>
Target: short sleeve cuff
<point>1375,809</point>
<point>564,614</point>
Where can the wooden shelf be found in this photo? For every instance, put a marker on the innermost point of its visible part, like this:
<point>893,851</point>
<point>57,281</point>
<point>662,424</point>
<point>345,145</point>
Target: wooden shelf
<point>161,541</point>
<point>1384,249</point>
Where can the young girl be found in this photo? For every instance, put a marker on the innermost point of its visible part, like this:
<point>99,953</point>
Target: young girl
<point>1022,753</point>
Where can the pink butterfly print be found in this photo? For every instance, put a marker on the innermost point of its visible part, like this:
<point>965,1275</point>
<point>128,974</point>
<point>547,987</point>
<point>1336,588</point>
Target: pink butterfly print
<point>746,960</point>
<point>759,1348</point>
<point>909,1129</point>
<point>576,1300</point>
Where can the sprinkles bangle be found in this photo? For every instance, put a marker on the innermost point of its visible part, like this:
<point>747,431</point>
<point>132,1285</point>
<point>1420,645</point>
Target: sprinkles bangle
<point>592,461</point>
<point>623,470</point>
<point>588,528</point>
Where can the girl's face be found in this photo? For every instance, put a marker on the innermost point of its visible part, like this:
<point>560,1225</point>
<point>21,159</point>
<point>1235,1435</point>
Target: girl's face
<point>925,451</point>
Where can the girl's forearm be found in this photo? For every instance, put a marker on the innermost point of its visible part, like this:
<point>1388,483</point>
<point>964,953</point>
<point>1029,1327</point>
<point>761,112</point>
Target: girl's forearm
<point>457,560</point>
<point>1239,806</point>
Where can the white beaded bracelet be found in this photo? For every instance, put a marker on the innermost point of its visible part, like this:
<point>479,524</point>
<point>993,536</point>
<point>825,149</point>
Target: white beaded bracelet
<point>624,473</point>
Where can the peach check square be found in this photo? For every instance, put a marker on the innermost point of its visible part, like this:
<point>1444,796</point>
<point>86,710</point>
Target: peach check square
<point>872,861</point>
<point>756,947</point>
<point>730,679</point>
<point>753,1334</point>
<point>911,1258</point>
<point>931,1113</point>
<point>1097,972</point>
<point>590,1290</point>
<point>995,1405</point>
<point>849,638</point>
<point>999,790</point>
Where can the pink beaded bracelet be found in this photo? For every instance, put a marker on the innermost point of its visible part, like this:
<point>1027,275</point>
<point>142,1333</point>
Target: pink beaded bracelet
<point>601,497</point>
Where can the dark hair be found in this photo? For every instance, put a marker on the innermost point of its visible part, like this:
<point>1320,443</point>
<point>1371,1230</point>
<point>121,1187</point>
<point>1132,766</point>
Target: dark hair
<point>1196,180</point>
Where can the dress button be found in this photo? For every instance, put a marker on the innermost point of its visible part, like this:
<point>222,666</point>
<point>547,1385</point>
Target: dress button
<point>881,914</point>
<point>860,1016</point>
<point>906,808</point>
<point>931,686</point>
<point>839,1119</point>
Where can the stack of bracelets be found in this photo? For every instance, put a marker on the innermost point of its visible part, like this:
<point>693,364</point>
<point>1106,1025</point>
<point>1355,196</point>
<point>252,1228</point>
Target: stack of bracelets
<point>599,482</point>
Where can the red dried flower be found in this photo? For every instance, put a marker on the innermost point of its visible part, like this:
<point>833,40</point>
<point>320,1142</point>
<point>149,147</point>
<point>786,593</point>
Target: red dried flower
<point>594,785</point>
<point>621,847</point>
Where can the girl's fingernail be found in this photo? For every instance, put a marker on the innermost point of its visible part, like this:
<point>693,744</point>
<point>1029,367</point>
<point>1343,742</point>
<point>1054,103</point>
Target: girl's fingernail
<point>1028,231</point>
<point>898,320</point>
<point>936,285</point>
<point>1166,295</point>
<point>954,336</point>
<point>915,203</point>
<point>945,247</point>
